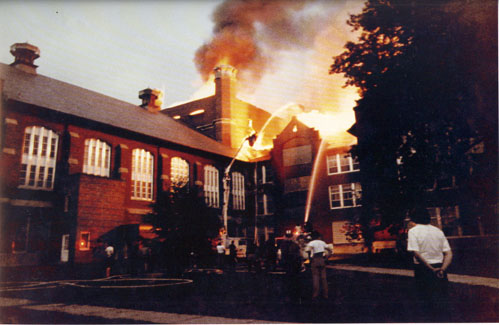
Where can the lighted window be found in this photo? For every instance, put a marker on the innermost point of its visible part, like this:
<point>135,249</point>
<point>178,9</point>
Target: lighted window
<point>341,163</point>
<point>84,244</point>
<point>332,164</point>
<point>179,172</point>
<point>345,195</point>
<point>142,174</point>
<point>211,187</point>
<point>38,160</point>
<point>97,158</point>
<point>238,191</point>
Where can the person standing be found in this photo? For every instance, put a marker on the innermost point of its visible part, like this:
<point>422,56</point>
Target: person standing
<point>317,250</point>
<point>432,257</point>
<point>220,255</point>
<point>232,255</point>
<point>109,259</point>
<point>291,262</point>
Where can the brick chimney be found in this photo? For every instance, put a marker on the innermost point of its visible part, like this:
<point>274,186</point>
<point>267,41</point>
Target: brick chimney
<point>25,55</point>
<point>152,99</point>
<point>225,93</point>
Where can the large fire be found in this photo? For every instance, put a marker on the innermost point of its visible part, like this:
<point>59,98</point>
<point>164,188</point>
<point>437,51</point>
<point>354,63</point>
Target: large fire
<point>283,51</point>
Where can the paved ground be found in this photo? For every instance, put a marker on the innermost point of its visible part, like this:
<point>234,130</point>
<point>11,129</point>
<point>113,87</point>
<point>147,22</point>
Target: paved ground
<point>358,294</point>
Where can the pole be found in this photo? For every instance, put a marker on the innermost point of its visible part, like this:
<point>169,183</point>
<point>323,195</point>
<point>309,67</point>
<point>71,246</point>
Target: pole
<point>226,179</point>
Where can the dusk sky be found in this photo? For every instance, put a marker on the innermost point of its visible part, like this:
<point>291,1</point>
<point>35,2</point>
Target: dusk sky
<point>119,48</point>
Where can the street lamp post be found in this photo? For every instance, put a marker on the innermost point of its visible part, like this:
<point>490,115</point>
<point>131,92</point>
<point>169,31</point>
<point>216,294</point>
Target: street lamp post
<point>226,179</point>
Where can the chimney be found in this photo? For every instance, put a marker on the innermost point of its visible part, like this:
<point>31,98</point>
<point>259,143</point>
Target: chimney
<point>225,81</point>
<point>225,93</point>
<point>25,55</point>
<point>152,99</point>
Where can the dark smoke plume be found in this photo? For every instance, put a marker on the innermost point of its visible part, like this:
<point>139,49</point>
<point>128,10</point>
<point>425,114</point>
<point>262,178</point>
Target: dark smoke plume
<point>248,32</point>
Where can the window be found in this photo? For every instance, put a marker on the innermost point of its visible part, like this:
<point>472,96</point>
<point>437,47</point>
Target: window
<point>345,195</point>
<point>238,191</point>
<point>142,174</point>
<point>97,158</point>
<point>297,156</point>
<point>84,244</point>
<point>341,163</point>
<point>264,201</point>
<point>211,187</point>
<point>38,158</point>
<point>179,172</point>
<point>332,165</point>
<point>447,219</point>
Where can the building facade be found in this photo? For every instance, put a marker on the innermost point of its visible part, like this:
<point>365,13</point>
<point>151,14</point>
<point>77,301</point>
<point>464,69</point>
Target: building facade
<point>78,166</point>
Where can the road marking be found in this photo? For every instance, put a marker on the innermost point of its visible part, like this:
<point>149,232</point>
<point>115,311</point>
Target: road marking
<point>457,278</point>
<point>123,313</point>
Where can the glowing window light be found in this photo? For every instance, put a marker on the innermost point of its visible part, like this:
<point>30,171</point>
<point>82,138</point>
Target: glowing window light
<point>196,112</point>
<point>177,117</point>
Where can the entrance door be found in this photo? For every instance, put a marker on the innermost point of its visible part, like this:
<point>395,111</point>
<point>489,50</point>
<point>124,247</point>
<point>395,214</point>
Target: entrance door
<point>65,248</point>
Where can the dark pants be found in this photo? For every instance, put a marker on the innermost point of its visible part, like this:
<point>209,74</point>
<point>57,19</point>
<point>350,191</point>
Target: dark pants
<point>319,276</point>
<point>293,281</point>
<point>432,292</point>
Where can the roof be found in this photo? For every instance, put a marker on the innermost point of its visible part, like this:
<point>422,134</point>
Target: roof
<point>73,100</point>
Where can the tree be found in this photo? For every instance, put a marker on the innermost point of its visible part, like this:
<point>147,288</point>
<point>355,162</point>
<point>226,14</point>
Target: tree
<point>422,69</point>
<point>185,225</point>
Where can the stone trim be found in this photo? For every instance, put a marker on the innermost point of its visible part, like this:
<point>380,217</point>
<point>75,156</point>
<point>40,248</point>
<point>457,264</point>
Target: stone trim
<point>30,203</point>
<point>11,121</point>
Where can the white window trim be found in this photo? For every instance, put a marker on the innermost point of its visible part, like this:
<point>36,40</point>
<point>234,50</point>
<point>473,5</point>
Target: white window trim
<point>355,189</point>
<point>238,202</point>
<point>39,160</point>
<point>179,172</point>
<point>100,152</point>
<point>142,175</point>
<point>211,186</point>
<point>337,159</point>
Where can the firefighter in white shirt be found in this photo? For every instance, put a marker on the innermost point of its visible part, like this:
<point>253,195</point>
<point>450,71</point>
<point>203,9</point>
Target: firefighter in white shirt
<point>318,250</point>
<point>432,257</point>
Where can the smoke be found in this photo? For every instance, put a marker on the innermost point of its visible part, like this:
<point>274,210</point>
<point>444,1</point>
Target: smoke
<point>248,33</point>
<point>283,50</point>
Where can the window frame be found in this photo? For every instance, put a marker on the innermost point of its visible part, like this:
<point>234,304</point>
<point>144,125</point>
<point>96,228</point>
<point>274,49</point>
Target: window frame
<point>101,160</point>
<point>340,194</point>
<point>87,246</point>
<point>142,176</point>
<point>176,172</point>
<point>38,158</point>
<point>211,186</point>
<point>238,193</point>
<point>335,161</point>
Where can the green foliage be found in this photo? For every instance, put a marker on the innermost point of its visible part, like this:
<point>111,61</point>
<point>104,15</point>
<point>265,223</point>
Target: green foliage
<point>421,70</point>
<point>184,223</point>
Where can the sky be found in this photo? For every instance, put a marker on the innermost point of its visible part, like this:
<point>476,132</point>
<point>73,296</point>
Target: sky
<point>118,48</point>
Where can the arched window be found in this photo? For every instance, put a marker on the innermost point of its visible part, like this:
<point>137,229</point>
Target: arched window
<point>211,186</point>
<point>179,172</point>
<point>38,160</point>
<point>238,191</point>
<point>142,174</point>
<point>97,158</point>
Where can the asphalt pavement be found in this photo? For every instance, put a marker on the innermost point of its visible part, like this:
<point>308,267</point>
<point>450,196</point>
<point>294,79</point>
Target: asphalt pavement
<point>358,294</point>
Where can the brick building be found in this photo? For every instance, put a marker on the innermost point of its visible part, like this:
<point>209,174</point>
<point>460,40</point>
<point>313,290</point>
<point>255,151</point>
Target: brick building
<point>309,169</point>
<point>77,165</point>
